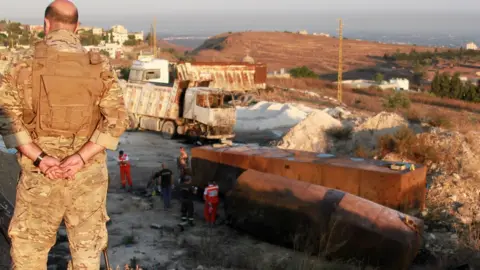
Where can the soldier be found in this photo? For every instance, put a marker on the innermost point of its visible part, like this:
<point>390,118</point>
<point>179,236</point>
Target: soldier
<point>61,107</point>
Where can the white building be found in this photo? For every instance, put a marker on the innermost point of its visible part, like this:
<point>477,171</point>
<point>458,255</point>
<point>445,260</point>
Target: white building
<point>400,84</point>
<point>138,35</point>
<point>35,29</point>
<point>120,34</point>
<point>321,34</point>
<point>471,46</point>
<point>113,49</point>
<point>97,31</point>
<point>303,32</point>
<point>397,84</point>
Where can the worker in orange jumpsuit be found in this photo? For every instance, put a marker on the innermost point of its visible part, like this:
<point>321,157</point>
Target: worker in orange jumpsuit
<point>211,202</point>
<point>124,163</point>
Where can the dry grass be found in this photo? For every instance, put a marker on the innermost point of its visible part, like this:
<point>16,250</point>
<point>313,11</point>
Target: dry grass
<point>222,253</point>
<point>407,144</point>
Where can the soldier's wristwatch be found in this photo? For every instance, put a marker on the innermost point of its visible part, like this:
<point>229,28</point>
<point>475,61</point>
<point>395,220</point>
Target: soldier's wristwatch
<point>39,159</point>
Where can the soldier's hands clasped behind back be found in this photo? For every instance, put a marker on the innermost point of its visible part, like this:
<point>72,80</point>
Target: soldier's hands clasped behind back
<point>65,169</point>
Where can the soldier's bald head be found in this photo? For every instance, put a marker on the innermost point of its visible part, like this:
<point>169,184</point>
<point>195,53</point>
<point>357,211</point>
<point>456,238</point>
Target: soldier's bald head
<point>61,14</point>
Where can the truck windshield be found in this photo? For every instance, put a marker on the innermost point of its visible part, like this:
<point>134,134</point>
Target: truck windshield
<point>215,100</point>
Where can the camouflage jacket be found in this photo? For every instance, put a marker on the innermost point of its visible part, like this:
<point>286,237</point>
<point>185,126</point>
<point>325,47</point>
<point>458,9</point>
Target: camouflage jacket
<point>12,128</point>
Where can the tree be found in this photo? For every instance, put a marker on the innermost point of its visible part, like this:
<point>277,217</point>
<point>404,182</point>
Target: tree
<point>436,86</point>
<point>378,78</point>
<point>444,85</point>
<point>456,87</point>
<point>41,34</point>
<point>302,72</point>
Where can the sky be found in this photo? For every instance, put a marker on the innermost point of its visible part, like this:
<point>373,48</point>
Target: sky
<point>210,16</point>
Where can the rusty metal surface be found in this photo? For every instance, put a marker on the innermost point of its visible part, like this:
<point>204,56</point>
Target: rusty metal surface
<point>370,179</point>
<point>151,100</point>
<point>317,219</point>
<point>10,171</point>
<point>233,77</point>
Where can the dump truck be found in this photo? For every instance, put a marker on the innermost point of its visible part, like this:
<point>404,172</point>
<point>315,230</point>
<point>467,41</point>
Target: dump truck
<point>159,96</point>
<point>345,208</point>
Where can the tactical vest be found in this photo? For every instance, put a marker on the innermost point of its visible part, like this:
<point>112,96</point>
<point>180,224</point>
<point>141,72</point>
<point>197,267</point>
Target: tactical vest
<point>66,91</point>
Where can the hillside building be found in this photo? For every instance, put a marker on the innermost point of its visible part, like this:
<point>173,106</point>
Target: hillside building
<point>471,46</point>
<point>120,34</point>
<point>114,50</point>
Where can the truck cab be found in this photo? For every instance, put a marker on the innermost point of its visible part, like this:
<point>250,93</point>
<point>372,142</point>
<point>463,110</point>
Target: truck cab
<point>155,71</point>
<point>208,107</point>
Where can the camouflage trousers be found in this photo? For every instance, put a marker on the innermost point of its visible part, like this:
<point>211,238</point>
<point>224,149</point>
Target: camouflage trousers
<point>42,204</point>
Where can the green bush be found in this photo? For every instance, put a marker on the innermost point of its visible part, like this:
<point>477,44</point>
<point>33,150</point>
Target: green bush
<point>302,72</point>
<point>397,100</point>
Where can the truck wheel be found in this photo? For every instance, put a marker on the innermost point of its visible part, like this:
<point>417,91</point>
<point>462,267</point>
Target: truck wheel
<point>168,130</point>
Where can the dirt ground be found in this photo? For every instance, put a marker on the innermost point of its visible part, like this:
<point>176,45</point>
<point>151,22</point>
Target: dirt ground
<point>286,50</point>
<point>142,232</point>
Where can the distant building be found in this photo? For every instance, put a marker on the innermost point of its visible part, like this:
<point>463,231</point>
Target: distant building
<point>321,34</point>
<point>119,29</point>
<point>303,32</point>
<point>114,50</point>
<point>138,35</point>
<point>397,84</point>
<point>35,29</point>
<point>279,74</point>
<point>471,46</point>
<point>400,84</point>
<point>97,31</point>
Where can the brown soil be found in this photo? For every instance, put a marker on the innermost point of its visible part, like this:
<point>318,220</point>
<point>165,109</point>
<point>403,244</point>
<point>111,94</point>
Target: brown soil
<point>288,50</point>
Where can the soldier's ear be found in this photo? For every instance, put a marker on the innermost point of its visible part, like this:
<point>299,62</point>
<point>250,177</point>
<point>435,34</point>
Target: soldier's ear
<point>46,26</point>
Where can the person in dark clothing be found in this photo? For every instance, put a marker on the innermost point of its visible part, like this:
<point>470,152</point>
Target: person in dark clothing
<point>166,183</point>
<point>187,194</point>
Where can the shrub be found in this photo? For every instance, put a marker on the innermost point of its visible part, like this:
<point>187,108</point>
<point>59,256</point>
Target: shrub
<point>408,145</point>
<point>340,133</point>
<point>413,116</point>
<point>302,72</point>
<point>397,100</point>
<point>439,120</point>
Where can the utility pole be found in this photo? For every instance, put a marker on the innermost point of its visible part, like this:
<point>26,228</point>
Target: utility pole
<point>340,61</point>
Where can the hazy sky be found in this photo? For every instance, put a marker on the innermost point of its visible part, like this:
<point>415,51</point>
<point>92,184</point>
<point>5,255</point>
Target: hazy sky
<point>208,16</point>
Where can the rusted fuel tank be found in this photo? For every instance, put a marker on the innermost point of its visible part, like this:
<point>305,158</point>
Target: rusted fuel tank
<point>316,219</point>
<point>403,190</point>
<point>9,173</point>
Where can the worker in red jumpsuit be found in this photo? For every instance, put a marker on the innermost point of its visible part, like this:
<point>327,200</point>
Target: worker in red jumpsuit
<point>211,202</point>
<point>124,163</point>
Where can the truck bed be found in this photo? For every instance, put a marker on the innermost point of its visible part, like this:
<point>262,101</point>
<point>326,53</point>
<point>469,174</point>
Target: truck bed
<point>151,100</point>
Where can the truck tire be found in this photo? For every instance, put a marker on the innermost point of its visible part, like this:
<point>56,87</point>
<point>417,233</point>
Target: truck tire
<point>168,130</point>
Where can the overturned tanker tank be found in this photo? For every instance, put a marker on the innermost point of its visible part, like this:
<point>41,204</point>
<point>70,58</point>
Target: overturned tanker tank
<point>374,180</point>
<point>313,202</point>
<point>9,172</point>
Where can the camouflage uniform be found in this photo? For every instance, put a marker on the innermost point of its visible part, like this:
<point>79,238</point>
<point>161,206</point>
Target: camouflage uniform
<point>41,203</point>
